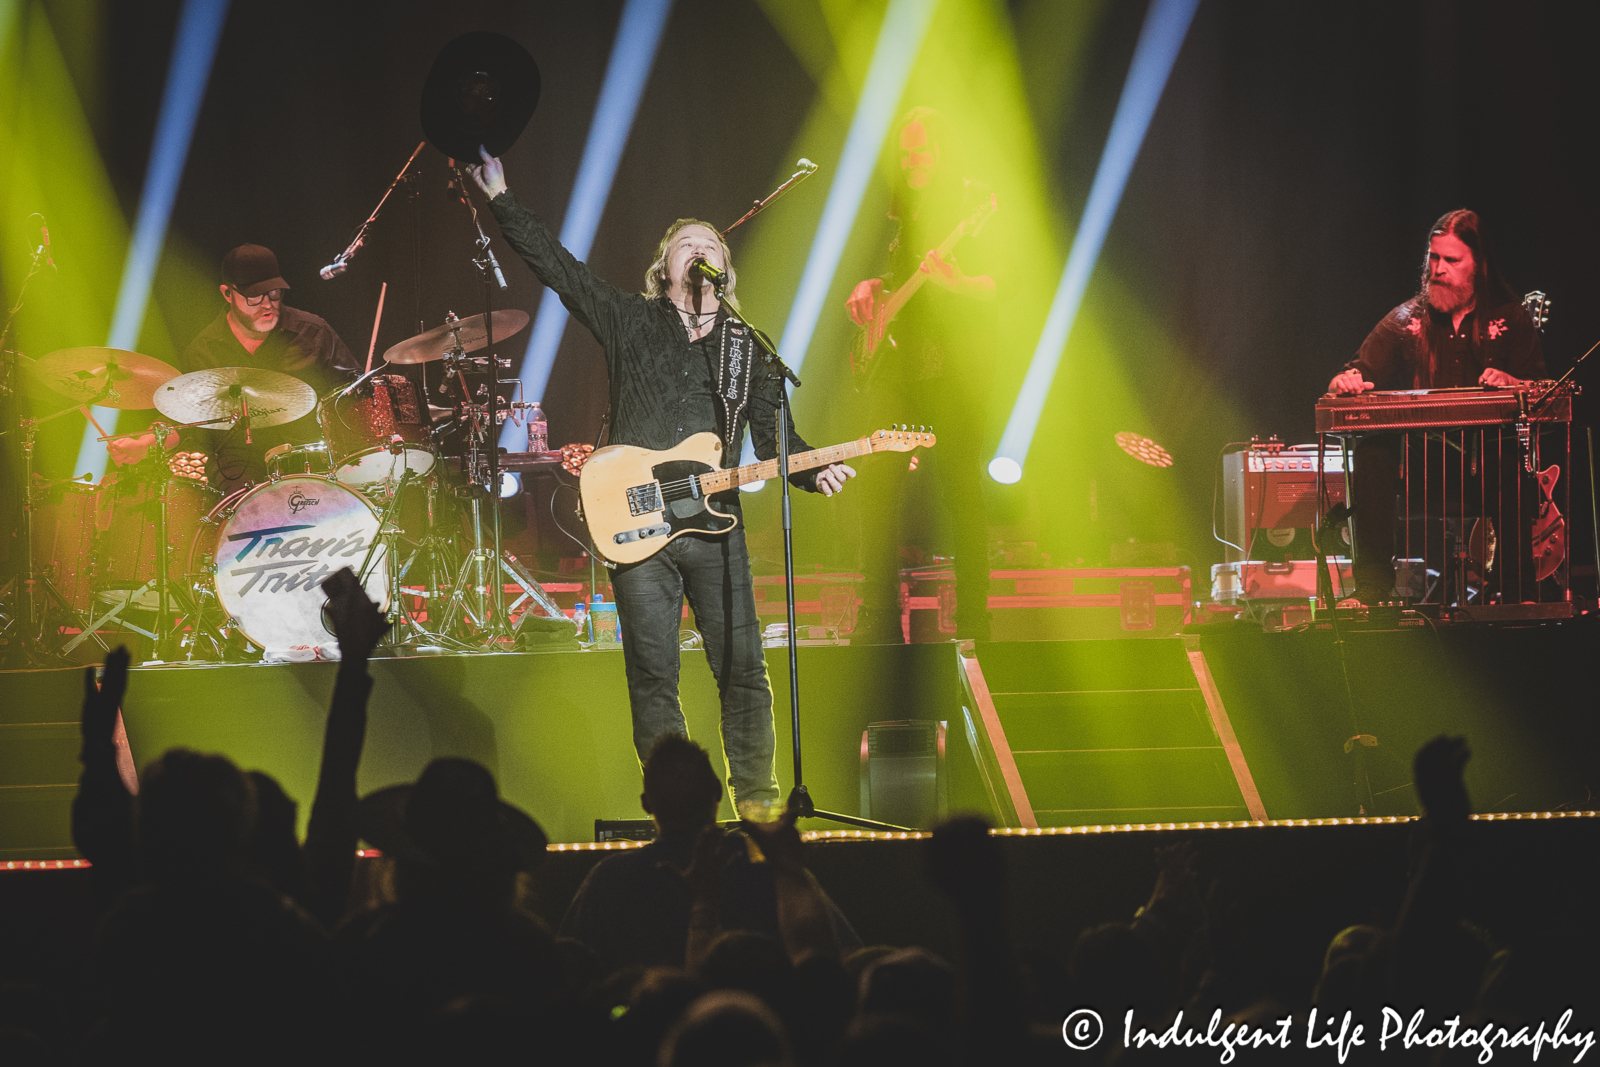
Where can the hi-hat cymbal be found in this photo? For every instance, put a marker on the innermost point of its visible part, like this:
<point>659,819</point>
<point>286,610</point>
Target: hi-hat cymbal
<point>218,393</point>
<point>481,90</point>
<point>468,333</point>
<point>84,374</point>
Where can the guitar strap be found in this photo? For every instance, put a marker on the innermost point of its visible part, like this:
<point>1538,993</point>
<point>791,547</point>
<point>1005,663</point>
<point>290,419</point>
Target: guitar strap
<point>733,382</point>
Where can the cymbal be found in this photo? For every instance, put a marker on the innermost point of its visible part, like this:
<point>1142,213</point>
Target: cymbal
<point>204,395</point>
<point>83,374</point>
<point>426,347</point>
<point>481,90</point>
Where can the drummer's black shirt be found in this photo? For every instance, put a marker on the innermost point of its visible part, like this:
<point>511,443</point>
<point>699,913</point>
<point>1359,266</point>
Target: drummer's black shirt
<point>662,384</point>
<point>302,345</point>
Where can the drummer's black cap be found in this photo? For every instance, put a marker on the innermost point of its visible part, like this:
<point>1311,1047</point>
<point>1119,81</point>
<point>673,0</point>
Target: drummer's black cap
<point>252,269</point>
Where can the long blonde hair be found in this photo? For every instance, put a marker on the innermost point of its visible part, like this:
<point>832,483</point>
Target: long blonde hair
<point>655,278</point>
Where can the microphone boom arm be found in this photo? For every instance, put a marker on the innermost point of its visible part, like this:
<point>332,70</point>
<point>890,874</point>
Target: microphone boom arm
<point>807,169</point>
<point>342,261</point>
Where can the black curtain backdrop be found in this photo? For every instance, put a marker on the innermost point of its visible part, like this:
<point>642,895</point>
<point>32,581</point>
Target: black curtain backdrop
<point>1277,211</point>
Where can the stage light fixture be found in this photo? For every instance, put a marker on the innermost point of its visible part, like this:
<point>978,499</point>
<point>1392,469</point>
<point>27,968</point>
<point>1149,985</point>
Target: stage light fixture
<point>1166,24</point>
<point>633,53</point>
<point>1005,470</point>
<point>510,484</point>
<point>194,48</point>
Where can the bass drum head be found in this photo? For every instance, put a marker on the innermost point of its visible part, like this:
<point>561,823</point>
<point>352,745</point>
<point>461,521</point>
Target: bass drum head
<point>277,543</point>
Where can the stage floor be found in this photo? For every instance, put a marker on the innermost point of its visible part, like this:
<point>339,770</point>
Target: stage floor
<point>554,727</point>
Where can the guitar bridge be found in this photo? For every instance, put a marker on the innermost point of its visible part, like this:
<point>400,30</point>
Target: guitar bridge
<point>643,499</point>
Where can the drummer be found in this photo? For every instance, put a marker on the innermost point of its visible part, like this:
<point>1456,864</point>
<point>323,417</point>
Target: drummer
<point>256,329</point>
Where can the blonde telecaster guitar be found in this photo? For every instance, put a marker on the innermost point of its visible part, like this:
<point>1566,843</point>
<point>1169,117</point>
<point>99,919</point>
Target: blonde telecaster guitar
<point>636,500</point>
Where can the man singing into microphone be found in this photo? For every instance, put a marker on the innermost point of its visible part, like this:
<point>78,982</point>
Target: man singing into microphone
<point>670,379</point>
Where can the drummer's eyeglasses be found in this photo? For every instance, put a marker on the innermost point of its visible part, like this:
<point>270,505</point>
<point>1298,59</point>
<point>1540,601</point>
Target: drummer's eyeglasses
<point>274,295</point>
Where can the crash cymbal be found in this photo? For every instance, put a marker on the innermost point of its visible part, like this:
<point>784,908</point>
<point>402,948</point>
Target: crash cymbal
<point>468,332</point>
<point>481,90</point>
<point>218,393</point>
<point>84,374</point>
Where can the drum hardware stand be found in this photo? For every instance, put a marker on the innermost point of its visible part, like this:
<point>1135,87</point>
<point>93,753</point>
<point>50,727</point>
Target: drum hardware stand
<point>404,631</point>
<point>162,482</point>
<point>799,798</point>
<point>33,589</point>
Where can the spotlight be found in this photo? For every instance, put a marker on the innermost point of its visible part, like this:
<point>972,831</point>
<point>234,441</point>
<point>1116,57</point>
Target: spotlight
<point>1144,450</point>
<point>1005,470</point>
<point>510,484</point>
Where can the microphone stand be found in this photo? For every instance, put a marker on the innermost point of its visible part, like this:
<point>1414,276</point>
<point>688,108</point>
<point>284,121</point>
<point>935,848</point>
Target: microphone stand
<point>799,797</point>
<point>341,262</point>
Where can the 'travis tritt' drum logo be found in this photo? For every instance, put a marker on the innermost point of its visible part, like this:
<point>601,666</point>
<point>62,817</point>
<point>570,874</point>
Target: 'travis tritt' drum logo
<point>287,562</point>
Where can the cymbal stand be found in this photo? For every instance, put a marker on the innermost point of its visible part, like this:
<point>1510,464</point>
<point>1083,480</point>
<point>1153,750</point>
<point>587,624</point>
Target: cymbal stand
<point>487,611</point>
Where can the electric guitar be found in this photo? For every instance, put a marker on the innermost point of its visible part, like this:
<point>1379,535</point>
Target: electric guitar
<point>636,500</point>
<point>870,337</point>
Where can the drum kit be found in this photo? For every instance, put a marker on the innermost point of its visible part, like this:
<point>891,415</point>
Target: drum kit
<point>155,550</point>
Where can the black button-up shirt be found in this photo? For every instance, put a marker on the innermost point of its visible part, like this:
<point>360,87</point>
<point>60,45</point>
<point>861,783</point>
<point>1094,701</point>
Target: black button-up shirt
<point>663,386</point>
<point>1504,338</point>
<point>303,346</point>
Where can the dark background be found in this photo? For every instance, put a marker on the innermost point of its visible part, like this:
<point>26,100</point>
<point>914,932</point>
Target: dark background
<point>1278,209</point>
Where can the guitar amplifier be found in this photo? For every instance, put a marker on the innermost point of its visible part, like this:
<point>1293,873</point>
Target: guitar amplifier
<point>1269,501</point>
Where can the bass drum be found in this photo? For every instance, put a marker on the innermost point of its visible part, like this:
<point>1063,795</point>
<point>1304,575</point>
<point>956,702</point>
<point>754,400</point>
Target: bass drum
<point>267,549</point>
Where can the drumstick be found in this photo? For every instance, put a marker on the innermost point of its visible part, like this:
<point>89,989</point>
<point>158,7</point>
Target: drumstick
<point>94,421</point>
<point>373,347</point>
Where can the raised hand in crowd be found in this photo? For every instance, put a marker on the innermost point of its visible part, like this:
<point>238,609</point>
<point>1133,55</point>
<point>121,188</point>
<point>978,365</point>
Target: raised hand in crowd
<point>102,811</point>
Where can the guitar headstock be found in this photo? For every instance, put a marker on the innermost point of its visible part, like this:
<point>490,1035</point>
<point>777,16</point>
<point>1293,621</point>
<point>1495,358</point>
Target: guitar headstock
<point>1538,305</point>
<point>574,456</point>
<point>903,438</point>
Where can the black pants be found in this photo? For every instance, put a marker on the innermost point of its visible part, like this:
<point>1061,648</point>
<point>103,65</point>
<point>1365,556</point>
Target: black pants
<point>714,573</point>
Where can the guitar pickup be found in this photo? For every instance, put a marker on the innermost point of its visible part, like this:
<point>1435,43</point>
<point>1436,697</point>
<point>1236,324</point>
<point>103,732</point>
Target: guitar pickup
<point>643,499</point>
<point>642,532</point>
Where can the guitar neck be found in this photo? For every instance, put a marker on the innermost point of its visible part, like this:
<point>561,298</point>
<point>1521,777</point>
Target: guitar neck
<point>898,298</point>
<point>722,480</point>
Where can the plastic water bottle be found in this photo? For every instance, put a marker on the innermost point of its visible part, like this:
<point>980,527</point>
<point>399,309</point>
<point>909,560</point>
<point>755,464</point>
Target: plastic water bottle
<point>538,430</point>
<point>580,618</point>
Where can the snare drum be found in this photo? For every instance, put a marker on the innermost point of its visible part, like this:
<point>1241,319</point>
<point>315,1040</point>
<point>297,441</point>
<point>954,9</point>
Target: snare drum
<point>267,549</point>
<point>63,539</point>
<point>126,551</point>
<point>378,433</point>
<point>309,458</point>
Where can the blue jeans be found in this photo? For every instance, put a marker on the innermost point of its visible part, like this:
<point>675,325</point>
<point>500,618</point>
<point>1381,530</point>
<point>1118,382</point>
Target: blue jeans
<point>714,573</point>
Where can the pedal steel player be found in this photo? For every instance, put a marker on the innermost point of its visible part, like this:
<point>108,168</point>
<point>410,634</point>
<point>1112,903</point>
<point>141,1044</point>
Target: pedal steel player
<point>1464,327</point>
<point>256,329</point>
<point>670,379</point>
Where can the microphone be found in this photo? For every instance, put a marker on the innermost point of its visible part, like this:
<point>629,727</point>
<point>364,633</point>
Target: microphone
<point>717,278</point>
<point>494,264</point>
<point>806,165</point>
<point>341,262</point>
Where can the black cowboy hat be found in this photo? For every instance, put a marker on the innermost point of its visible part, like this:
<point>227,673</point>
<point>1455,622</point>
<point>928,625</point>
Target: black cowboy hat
<point>481,90</point>
<point>452,816</point>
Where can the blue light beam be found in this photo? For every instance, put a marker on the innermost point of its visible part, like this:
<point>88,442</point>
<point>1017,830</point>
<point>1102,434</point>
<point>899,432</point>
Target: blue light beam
<point>633,53</point>
<point>194,48</point>
<point>1166,24</point>
<point>899,40</point>
<point>905,24</point>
